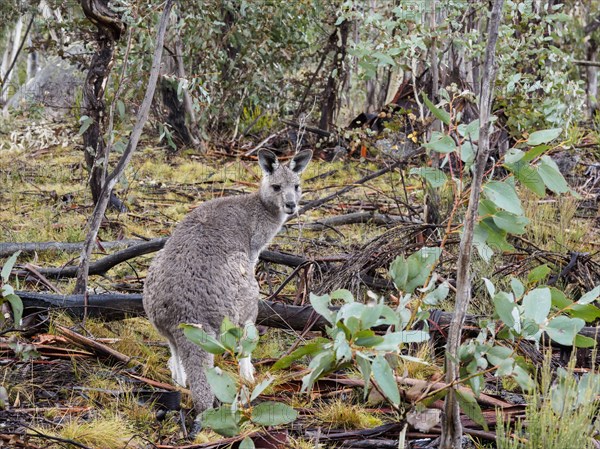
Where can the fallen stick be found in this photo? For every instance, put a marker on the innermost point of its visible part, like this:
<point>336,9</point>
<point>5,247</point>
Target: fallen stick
<point>96,347</point>
<point>273,314</point>
<point>6,249</point>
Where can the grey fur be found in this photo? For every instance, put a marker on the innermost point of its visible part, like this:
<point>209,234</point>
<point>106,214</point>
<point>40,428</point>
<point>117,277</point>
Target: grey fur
<point>206,269</point>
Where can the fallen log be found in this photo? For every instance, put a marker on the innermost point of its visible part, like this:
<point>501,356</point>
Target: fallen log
<point>101,266</point>
<point>270,313</point>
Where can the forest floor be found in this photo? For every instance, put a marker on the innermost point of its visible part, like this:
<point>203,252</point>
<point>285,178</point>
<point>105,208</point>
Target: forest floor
<point>60,394</point>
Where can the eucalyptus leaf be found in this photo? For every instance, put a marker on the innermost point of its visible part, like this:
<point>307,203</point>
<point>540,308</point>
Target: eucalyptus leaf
<point>197,335</point>
<point>442,115</point>
<point>273,414</point>
<point>563,329</point>
<point>222,384</point>
<point>222,420</point>
<point>8,266</point>
<point>503,195</point>
<point>384,377</point>
<point>469,405</point>
<point>590,296</point>
<point>543,136</point>
<point>441,143</point>
<point>321,306</point>
<point>536,304</point>
<point>551,175</point>
<point>434,176</point>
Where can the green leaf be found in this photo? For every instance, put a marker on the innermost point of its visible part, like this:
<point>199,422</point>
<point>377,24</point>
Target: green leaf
<point>470,131</point>
<point>590,296</point>
<point>469,405</point>
<point>343,352</point>
<point>439,294</point>
<point>505,307</point>
<point>420,264</point>
<point>121,109</point>
<point>8,266</point>
<point>563,329</point>
<point>441,143</point>
<point>322,363</point>
<point>587,312</point>
<point>498,354</point>
<point>399,272</point>
<point>222,420</point>
<point>321,306</point>
<point>343,294</point>
<point>503,195</point>
<point>309,348</point>
<point>383,58</point>
<point>552,176</point>
<point>17,308</point>
<point>536,304</point>
<point>273,414</point>
<point>197,335</point>
<point>511,223</point>
<point>392,341</point>
<point>513,155</point>
<point>517,287</point>
<point>489,286</point>
<point>538,274</point>
<point>367,339</point>
<point>467,153</point>
<point>440,114</point>
<point>523,378</point>
<point>581,341</point>
<point>247,443</point>
<point>543,136</point>
<point>435,177</point>
<point>222,384</point>
<point>559,300</point>
<point>480,236</point>
<point>530,155</point>
<point>364,366</point>
<point>384,377</point>
<point>256,392</point>
<point>249,339</point>
<point>528,176</point>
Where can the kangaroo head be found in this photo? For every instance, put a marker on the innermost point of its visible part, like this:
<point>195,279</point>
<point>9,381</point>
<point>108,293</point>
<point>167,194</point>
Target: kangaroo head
<point>280,188</point>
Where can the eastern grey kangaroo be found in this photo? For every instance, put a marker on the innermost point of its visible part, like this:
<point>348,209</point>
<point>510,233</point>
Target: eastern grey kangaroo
<point>206,269</point>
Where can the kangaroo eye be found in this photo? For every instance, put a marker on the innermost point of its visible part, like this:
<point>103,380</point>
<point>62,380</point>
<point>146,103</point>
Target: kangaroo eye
<point>297,187</point>
<point>276,188</point>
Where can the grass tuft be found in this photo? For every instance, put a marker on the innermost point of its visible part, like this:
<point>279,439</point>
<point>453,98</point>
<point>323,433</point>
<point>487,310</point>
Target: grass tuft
<point>340,414</point>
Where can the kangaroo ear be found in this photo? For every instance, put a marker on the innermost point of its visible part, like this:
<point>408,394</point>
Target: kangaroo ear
<point>300,161</point>
<point>268,161</point>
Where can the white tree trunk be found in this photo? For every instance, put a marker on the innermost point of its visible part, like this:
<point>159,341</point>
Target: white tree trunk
<point>15,41</point>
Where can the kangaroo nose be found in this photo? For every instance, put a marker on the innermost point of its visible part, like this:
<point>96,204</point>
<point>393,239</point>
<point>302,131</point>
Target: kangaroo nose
<point>290,205</point>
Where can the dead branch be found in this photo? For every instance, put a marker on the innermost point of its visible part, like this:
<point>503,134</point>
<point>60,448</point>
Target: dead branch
<point>272,314</point>
<point>402,161</point>
<point>6,249</point>
<point>357,218</point>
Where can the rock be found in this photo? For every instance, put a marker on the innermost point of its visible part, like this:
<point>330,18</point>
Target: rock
<point>55,87</point>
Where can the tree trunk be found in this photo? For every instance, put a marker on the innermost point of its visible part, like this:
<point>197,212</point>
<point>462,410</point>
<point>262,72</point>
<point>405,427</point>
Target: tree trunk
<point>110,28</point>
<point>451,425</point>
<point>111,180</point>
<point>338,40</point>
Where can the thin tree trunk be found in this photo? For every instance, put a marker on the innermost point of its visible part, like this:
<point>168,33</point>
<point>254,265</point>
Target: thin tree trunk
<point>142,117</point>
<point>337,40</point>
<point>110,28</point>
<point>8,73</point>
<point>451,425</point>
